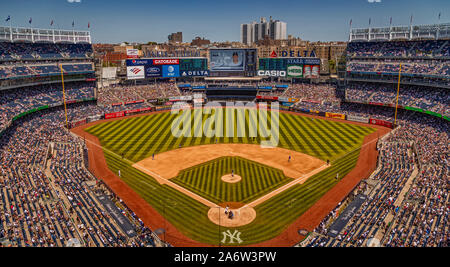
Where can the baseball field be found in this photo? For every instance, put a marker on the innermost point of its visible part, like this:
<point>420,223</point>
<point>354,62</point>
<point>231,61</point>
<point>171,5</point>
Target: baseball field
<point>181,178</point>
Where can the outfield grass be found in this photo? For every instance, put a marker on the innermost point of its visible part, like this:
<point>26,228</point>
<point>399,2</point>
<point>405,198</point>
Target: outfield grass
<point>137,138</point>
<point>205,180</point>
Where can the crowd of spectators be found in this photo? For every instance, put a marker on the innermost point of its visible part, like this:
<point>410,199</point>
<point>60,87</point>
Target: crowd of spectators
<point>428,68</point>
<point>401,209</point>
<point>17,71</point>
<point>428,48</point>
<point>314,92</point>
<point>19,100</point>
<point>47,197</point>
<point>24,51</point>
<point>122,93</point>
<point>426,98</point>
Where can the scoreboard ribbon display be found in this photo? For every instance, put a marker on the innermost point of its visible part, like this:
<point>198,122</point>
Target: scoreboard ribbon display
<point>166,68</point>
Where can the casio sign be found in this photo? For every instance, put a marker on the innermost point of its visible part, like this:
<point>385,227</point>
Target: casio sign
<point>272,73</point>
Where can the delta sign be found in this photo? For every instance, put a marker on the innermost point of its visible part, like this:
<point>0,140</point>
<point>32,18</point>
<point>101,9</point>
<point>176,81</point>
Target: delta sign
<point>292,53</point>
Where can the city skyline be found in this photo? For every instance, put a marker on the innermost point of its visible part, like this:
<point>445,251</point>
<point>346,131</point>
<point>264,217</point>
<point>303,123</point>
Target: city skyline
<point>323,20</point>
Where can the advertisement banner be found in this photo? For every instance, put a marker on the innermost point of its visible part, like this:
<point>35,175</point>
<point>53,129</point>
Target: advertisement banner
<point>227,60</point>
<point>153,71</point>
<point>136,72</point>
<point>132,111</point>
<point>132,53</point>
<point>94,118</point>
<point>166,61</point>
<point>307,71</point>
<point>381,123</point>
<point>77,123</point>
<point>267,97</point>
<point>139,62</point>
<point>287,104</point>
<point>272,73</point>
<point>134,102</point>
<point>117,104</point>
<point>193,73</point>
<point>335,115</point>
<point>376,103</point>
<point>295,71</point>
<point>357,119</point>
<point>315,71</point>
<point>170,71</point>
<point>413,108</point>
<point>114,115</point>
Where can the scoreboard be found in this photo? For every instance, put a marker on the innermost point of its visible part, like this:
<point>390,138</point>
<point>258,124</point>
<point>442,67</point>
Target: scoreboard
<point>145,68</point>
<point>193,64</point>
<point>272,64</point>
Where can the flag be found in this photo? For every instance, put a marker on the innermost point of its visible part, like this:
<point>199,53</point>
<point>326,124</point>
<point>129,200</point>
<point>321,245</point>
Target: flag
<point>73,23</point>
<point>390,21</point>
<point>30,20</point>
<point>89,25</point>
<point>439,17</point>
<point>9,18</point>
<point>51,23</point>
<point>369,21</point>
<point>350,22</point>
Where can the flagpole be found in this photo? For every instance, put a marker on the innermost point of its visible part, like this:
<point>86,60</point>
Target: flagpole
<point>64,95</point>
<point>398,90</point>
<point>10,29</point>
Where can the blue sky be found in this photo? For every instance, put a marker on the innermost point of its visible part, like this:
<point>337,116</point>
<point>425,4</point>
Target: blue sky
<point>114,21</point>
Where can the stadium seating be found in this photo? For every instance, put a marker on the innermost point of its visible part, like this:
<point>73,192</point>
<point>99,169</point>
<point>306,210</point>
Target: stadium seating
<point>39,211</point>
<point>23,51</point>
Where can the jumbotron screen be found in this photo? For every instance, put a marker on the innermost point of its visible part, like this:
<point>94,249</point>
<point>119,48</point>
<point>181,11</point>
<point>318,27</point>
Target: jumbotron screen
<point>236,62</point>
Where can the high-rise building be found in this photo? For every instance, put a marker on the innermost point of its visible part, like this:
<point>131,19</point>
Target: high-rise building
<point>272,29</point>
<point>175,37</point>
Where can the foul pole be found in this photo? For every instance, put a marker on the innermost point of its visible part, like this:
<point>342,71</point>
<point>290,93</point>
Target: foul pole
<point>398,90</point>
<point>64,95</point>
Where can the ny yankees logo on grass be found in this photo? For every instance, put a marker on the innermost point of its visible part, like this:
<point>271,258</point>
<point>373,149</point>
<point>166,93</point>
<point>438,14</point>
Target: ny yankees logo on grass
<point>232,236</point>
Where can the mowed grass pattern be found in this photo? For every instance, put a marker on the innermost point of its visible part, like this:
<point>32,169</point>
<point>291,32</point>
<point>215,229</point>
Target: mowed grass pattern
<point>137,138</point>
<point>205,180</point>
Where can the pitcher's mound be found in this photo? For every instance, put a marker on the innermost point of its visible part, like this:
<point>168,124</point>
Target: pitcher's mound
<point>227,178</point>
<point>241,216</point>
